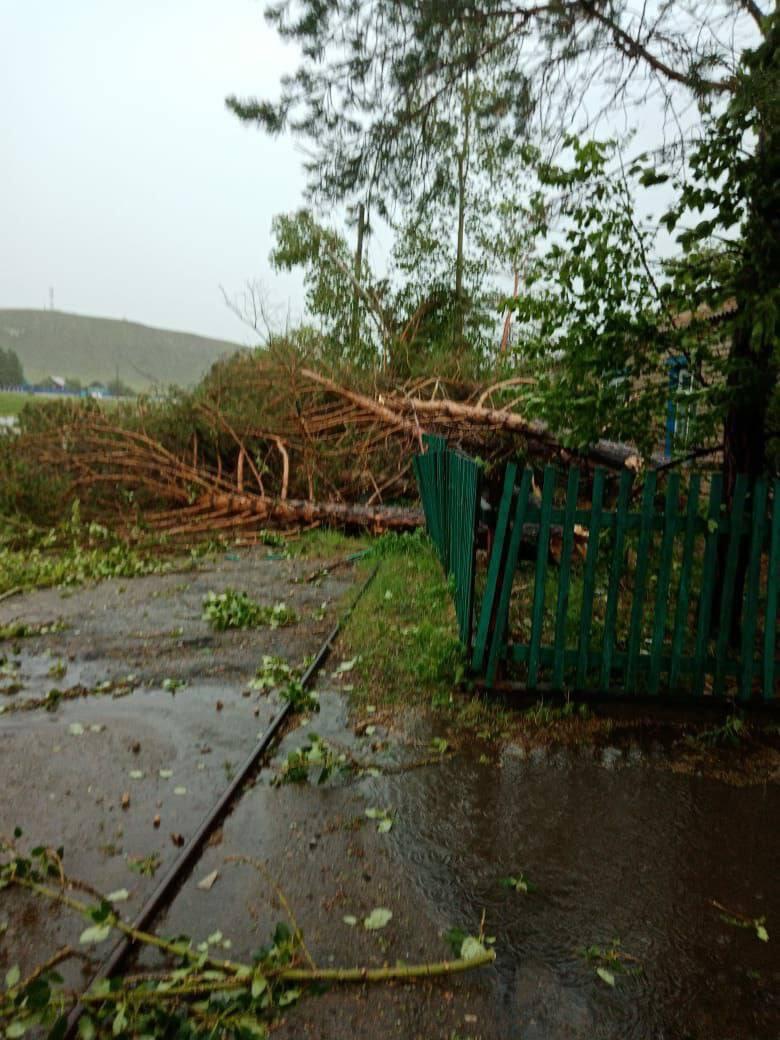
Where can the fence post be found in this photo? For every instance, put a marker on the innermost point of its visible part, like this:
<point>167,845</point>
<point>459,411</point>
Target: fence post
<point>664,577</point>
<point>772,582</point>
<point>589,580</point>
<point>727,590</point>
<point>707,583</point>
<point>507,578</point>
<point>753,582</point>
<point>684,590</point>
<point>564,573</point>
<point>642,560</point>
<point>494,568</point>
<point>614,578</point>
<point>542,547</point>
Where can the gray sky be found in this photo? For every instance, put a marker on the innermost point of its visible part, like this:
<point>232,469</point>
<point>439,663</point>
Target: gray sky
<point>127,186</point>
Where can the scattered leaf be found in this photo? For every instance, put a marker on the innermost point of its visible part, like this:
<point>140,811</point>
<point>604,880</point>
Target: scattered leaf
<point>471,948</point>
<point>762,933</point>
<point>12,977</point>
<point>98,933</point>
<point>207,883</point>
<point>346,666</point>
<point>136,774</point>
<point>166,774</point>
<point>180,790</point>
<point>86,1028</point>
<point>259,986</point>
<point>75,729</point>
<point>378,918</point>
<point>606,976</point>
<point>120,896</point>
<point>288,997</point>
<point>350,919</point>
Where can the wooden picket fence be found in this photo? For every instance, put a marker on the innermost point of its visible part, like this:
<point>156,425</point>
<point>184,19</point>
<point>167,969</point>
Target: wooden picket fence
<point>449,488</point>
<point>640,611</point>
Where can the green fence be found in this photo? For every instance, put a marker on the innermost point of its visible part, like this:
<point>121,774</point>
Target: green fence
<point>449,489</point>
<point>664,591</point>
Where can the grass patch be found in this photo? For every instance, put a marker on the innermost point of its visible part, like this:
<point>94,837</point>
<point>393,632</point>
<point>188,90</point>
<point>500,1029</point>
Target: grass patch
<point>325,542</point>
<point>12,403</point>
<point>403,629</point>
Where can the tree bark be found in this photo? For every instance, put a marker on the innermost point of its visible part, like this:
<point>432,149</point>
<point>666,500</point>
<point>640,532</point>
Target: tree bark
<point>355,329</point>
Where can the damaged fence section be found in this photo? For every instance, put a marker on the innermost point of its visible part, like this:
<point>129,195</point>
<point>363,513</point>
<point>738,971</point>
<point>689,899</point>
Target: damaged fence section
<point>590,584</point>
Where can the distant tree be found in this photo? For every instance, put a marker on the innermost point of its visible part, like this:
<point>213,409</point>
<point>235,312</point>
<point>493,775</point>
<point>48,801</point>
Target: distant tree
<point>118,388</point>
<point>11,372</point>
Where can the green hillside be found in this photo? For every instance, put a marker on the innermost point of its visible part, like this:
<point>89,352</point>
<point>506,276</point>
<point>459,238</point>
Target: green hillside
<point>50,343</point>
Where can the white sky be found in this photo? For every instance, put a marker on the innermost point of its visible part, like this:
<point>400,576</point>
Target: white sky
<point>125,183</point>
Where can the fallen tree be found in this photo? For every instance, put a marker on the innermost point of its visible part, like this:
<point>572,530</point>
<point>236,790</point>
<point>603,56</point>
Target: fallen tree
<point>270,440</point>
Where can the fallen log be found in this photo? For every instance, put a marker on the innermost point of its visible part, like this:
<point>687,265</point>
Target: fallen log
<point>294,512</point>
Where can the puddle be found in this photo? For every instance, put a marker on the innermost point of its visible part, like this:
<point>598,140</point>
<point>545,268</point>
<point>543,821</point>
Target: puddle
<point>616,850</point>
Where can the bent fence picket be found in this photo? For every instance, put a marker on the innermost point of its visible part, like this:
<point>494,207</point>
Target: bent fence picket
<point>671,594</point>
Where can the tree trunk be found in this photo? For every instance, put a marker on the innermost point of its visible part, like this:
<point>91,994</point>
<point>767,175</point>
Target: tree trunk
<point>355,330</point>
<point>463,159</point>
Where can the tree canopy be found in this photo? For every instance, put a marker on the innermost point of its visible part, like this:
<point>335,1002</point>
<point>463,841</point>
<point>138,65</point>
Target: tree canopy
<point>378,98</point>
<point>11,372</point>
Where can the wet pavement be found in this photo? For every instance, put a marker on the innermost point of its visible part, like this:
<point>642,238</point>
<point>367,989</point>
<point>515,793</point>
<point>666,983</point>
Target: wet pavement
<point>618,850</point>
<point>123,771</point>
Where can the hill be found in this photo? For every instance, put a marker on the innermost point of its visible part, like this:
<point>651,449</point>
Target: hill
<point>51,343</point>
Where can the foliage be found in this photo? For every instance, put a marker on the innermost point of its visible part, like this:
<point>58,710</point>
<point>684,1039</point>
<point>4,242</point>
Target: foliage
<point>231,609</point>
<point>588,326</point>
<point>730,734</point>
<point>610,961</point>
<point>11,371</point>
<point>201,994</point>
<point>542,714</point>
<point>277,674</point>
<point>385,93</point>
<point>330,287</point>
<point>315,753</point>
<point>27,490</point>
<point>519,883</point>
<point>71,553</point>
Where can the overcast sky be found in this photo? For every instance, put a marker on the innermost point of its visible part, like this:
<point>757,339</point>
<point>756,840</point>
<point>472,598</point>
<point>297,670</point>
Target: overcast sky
<point>127,186</point>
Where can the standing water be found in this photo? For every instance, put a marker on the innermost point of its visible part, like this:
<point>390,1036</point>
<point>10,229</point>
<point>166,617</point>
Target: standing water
<point>621,855</point>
